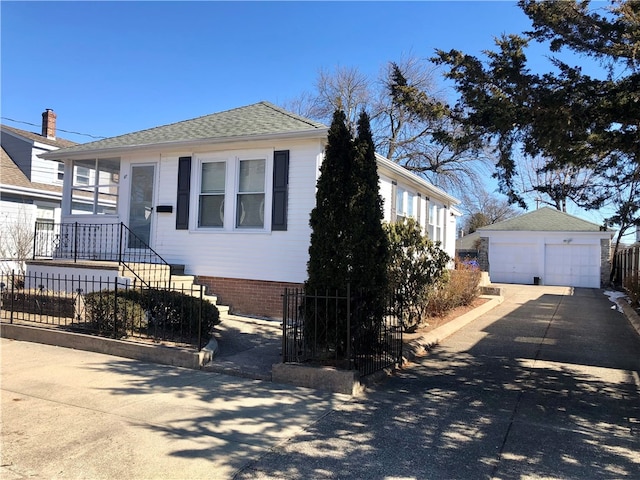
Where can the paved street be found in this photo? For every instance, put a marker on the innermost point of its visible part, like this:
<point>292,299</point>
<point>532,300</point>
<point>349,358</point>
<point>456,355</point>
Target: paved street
<point>545,385</point>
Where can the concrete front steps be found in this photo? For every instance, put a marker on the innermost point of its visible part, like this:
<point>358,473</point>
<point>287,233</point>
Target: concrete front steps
<point>179,282</point>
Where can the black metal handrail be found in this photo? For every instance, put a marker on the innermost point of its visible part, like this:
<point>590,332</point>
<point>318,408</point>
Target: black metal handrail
<point>112,242</point>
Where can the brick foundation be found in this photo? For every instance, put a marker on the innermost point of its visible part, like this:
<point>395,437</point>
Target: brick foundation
<point>248,297</point>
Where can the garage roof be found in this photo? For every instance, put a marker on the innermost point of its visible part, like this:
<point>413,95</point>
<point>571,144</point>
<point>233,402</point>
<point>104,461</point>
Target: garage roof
<point>545,219</point>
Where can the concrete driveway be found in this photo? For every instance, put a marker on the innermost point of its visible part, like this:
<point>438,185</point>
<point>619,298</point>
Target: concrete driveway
<point>543,386</point>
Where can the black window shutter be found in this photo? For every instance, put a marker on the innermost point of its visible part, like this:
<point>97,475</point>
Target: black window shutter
<point>280,189</point>
<point>184,187</point>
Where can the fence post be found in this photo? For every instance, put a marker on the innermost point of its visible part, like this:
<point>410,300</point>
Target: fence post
<point>349,323</point>
<point>35,239</point>
<point>13,283</point>
<point>284,325</point>
<point>200,319</point>
<point>115,306</point>
<point>75,242</point>
<point>120,245</point>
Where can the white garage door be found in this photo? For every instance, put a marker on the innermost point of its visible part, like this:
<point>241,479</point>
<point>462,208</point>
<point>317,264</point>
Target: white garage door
<point>572,265</point>
<point>513,263</point>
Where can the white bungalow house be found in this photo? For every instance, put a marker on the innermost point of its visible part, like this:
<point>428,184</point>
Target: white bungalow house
<point>227,197</point>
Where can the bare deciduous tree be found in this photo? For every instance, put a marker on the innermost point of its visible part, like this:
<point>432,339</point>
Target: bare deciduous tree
<point>482,208</point>
<point>343,88</point>
<point>410,121</point>
<point>554,186</point>
<point>16,241</point>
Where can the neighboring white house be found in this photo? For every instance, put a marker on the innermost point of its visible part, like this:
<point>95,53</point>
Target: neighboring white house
<point>229,195</point>
<point>30,187</point>
<point>547,247</point>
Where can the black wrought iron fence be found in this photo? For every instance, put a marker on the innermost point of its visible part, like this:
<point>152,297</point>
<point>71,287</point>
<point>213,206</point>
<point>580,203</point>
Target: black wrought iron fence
<point>112,242</point>
<point>112,308</point>
<point>338,329</point>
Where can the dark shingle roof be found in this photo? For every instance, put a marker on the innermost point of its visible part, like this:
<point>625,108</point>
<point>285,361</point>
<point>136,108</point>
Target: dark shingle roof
<point>58,142</point>
<point>261,118</point>
<point>545,219</point>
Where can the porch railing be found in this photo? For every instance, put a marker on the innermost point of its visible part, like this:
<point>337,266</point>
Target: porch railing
<point>110,242</point>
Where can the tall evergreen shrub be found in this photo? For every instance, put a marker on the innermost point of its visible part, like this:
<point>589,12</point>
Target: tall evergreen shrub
<point>348,245</point>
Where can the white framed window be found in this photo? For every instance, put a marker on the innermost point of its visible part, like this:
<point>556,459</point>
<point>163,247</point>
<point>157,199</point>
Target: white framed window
<point>234,192</point>
<point>405,203</point>
<point>435,222</point>
<point>212,194</point>
<point>60,171</point>
<point>95,186</point>
<point>251,194</point>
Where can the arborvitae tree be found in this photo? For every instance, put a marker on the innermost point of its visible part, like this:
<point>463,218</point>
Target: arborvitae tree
<point>329,252</point>
<point>348,243</point>
<point>369,241</point>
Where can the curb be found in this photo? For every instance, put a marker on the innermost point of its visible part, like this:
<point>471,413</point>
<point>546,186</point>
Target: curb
<point>630,313</point>
<point>421,346</point>
<point>174,356</point>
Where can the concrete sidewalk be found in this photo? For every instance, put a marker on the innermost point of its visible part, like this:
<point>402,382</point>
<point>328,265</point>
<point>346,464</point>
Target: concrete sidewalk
<point>76,414</point>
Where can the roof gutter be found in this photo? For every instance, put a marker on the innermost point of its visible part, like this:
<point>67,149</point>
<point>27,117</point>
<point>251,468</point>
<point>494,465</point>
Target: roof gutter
<point>181,144</point>
<point>33,192</point>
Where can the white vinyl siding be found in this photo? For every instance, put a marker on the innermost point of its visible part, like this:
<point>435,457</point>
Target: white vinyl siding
<point>230,252</point>
<point>245,253</point>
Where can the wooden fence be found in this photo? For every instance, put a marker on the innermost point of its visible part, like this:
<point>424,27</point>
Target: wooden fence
<point>627,264</point>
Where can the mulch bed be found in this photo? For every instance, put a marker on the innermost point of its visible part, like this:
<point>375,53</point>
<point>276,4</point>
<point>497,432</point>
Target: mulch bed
<point>435,322</point>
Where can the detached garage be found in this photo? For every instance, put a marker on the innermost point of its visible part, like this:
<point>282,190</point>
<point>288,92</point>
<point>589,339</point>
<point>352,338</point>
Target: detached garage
<point>548,247</point>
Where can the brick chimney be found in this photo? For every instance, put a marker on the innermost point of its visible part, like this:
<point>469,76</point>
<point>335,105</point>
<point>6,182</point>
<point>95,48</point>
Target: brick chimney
<point>49,124</point>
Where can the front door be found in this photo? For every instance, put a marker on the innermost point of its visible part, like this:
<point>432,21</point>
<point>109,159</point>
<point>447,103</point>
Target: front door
<point>141,205</point>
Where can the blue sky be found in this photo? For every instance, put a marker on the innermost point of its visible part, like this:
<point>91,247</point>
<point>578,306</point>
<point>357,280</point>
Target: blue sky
<point>108,68</point>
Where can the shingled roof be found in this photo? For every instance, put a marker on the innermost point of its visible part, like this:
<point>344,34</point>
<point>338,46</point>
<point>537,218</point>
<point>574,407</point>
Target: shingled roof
<point>259,119</point>
<point>58,142</point>
<point>545,219</point>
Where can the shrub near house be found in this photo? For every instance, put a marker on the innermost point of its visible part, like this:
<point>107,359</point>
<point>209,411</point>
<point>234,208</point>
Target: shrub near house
<point>163,313</point>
